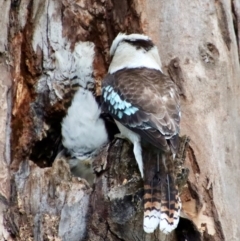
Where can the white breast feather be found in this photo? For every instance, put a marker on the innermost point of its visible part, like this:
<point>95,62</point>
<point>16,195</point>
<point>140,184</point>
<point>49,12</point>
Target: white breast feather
<point>82,129</point>
<point>136,140</point>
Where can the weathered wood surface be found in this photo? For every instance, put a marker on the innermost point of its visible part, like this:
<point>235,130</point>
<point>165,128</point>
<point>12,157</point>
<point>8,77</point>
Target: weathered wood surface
<point>46,47</point>
<point>117,199</point>
<point>202,35</point>
<point>47,204</point>
<point>5,116</point>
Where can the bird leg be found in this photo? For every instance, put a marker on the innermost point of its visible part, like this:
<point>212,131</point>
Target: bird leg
<point>137,150</point>
<point>121,136</point>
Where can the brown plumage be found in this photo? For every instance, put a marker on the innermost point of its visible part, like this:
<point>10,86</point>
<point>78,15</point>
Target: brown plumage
<point>156,97</point>
<point>146,108</point>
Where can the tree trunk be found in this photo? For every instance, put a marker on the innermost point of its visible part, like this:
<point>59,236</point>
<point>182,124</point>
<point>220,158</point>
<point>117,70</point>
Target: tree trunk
<point>45,46</point>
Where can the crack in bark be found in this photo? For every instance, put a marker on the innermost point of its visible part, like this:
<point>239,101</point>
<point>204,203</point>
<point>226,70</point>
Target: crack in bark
<point>236,23</point>
<point>193,160</point>
<point>113,233</point>
<point>176,74</point>
<point>223,23</point>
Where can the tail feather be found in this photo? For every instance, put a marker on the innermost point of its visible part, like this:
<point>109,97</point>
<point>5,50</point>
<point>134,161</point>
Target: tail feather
<point>152,205</point>
<point>170,208</point>
<point>162,203</point>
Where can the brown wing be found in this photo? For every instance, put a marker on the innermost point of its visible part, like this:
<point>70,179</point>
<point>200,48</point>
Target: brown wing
<point>147,102</point>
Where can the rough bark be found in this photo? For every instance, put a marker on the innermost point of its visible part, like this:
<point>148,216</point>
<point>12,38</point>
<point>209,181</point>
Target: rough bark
<point>45,46</point>
<point>5,116</point>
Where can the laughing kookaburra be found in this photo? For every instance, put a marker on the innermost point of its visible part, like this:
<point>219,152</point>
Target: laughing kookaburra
<point>84,133</point>
<point>145,106</point>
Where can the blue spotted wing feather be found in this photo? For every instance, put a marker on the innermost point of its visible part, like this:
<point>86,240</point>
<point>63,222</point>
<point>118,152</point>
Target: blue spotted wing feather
<point>145,101</point>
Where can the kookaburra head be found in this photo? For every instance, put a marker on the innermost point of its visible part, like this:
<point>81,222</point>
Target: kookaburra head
<point>145,105</point>
<point>133,51</point>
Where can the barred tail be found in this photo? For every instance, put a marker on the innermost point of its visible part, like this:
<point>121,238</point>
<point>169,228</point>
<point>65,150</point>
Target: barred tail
<point>170,205</point>
<point>162,203</point>
<point>152,205</point>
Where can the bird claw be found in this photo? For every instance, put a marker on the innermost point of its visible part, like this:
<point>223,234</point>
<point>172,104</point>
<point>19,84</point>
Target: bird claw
<point>120,136</point>
<point>100,162</point>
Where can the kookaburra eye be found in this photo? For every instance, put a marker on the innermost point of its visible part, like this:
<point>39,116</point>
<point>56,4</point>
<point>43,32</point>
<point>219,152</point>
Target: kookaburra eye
<point>145,105</point>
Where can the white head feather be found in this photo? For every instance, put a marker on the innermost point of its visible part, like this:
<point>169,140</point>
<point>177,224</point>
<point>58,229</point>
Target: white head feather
<point>128,56</point>
<point>121,36</point>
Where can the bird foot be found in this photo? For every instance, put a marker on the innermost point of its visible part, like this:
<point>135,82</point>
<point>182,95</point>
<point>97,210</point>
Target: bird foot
<point>100,162</point>
<point>120,136</point>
